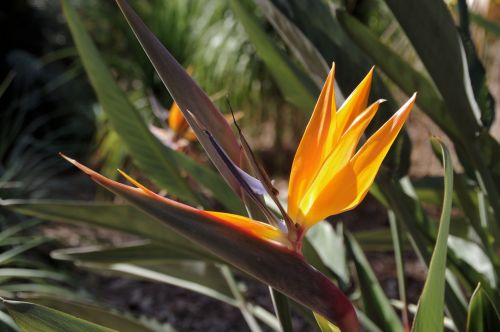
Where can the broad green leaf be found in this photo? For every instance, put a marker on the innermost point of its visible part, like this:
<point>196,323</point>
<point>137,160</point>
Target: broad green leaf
<point>443,60</point>
<point>376,305</point>
<point>297,88</point>
<point>265,260</point>
<point>7,323</point>
<point>36,318</point>
<point>329,245</point>
<point>483,316</point>
<point>120,217</point>
<point>91,312</point>
<point>399,71</point>
<point>430,312</point>
<point>160,162</point>
<point>19,273</point>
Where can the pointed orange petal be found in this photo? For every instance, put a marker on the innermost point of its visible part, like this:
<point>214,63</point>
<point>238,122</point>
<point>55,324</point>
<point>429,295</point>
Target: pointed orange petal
<point>353,105</point>
<point>349,186</point>
<point>316,144</point>
<point>312,208</point>
<point>257,228</point>
<point>368,159</point>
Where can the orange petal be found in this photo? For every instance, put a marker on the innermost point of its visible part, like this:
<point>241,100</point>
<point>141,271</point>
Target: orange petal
<point>176,120</point>
<point>348,188</point>
<point>353,105</point>
<point>316,144</point>
<point>368,159</point>
<point>257,228</point>
<point>310,211</point>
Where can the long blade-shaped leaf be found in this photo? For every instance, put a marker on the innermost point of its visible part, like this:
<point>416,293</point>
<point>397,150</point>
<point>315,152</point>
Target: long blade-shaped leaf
<point>483,316</point>
<point>37,318</point>
<point>430,312</point>
<point>90,311</point>
<point>268,261</point>
<point>124,218</point>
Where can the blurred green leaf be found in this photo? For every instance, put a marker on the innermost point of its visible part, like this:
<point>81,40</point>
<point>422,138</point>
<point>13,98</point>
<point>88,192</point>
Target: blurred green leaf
<point>91,312</point>
<point>477,72</point>
<point>490,26</point>
<point>430,312</point>
<point>330,247</point>
<point>120,217</point>
<point>400,71</point>
<point>7,323</point>
<point>483,316</point>
<point>443,60</point>
<point>297,88</point>
<point>158,161</point>
<point>376,304</point>
<point>151,155</point>
<point>302,48</point>
<point>36,318</point>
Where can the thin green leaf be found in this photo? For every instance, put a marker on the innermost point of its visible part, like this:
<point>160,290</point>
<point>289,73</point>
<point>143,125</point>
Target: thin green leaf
<point>376,305</point>
<point>282,310</point>
<point>7,323</point>
<point>430,312</point>
<point>330,247</point>
<point>200,277</point>
<point>141,252</point>
<point>7,255</point>
<point>490,26</point>
<point>397,233</point>
<point>36,318</point>
<point>91,312</point>
<point>483,316</point>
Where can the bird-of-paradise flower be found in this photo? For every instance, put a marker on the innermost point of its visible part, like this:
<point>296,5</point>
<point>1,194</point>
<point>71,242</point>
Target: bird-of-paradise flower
<point>329,175</point>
